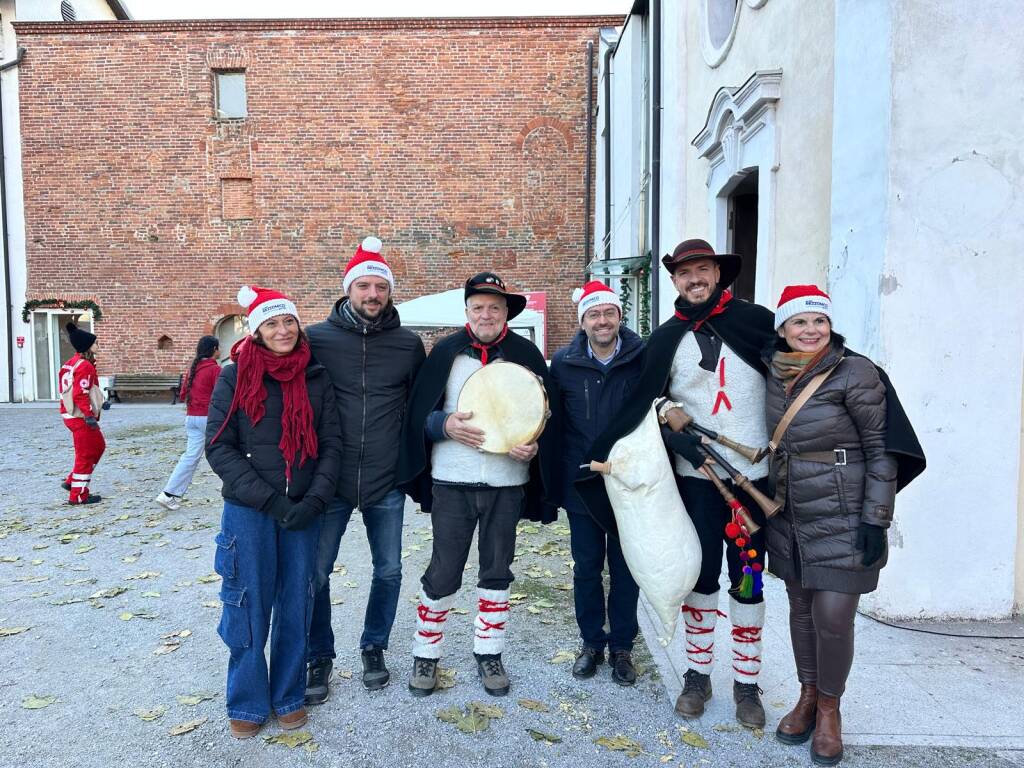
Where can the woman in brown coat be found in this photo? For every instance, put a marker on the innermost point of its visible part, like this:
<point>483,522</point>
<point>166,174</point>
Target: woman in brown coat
<point>829,542</point>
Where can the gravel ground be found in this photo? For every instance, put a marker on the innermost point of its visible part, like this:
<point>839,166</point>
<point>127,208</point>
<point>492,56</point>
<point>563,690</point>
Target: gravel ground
<point>120,605</point>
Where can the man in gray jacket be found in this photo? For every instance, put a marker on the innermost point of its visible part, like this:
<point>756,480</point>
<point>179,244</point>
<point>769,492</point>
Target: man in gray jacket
<point>372,362</point>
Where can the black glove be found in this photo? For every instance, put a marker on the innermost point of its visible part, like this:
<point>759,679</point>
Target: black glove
<point>302,514</point>
<point>871,539</point>
<point>92,422</point>
<point>686,445</point>
<point>106,405</point>
<point>279,507</point>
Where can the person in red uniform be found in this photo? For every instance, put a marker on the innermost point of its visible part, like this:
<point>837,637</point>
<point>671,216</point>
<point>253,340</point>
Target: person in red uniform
<point>80,403</point>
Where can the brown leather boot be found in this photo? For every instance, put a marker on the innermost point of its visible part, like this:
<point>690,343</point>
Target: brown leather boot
<point>796,727</point>
<point>827,745</point>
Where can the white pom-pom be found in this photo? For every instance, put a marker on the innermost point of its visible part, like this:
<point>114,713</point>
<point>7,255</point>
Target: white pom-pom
<point>372,244</point>
<point>577,295</point>
<point>246,296</point>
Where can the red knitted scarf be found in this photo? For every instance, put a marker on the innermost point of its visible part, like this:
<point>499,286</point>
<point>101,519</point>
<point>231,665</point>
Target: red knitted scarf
<point>254,362</point>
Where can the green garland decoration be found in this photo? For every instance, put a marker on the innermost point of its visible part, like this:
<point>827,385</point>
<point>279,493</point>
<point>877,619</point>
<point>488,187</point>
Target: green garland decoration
<point>643,280</point>
<point>89,304</point>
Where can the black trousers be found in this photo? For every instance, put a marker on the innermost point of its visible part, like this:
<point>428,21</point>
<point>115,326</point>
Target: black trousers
<point>457,512</point>
<point>710,514</point>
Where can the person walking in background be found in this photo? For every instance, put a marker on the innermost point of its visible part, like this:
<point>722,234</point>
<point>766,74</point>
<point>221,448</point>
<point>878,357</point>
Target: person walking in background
<point>842,447</point>
<point>81,401</point>
<point>196,390</point>
<point>273,438</point>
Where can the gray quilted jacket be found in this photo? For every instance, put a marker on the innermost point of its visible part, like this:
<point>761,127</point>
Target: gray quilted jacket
<point>813,539</point>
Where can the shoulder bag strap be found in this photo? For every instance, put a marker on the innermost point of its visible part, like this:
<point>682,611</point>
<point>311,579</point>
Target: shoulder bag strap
<point>796,405</point>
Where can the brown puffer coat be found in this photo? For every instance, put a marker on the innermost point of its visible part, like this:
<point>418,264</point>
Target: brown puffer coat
<point>813,538</point>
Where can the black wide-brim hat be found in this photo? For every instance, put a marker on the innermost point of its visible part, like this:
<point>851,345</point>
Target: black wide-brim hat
<point>729,264</point>
<point>488,282</point>
<point>80,340</point>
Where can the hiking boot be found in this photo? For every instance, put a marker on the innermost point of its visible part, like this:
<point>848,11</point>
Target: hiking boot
<point>623,671</point>
<point>92,498</point>
<point>375,673</point>
<point>587,661</point>
<point>424,676</point>
<point>167,501</point>
<point>749,710</point>
<point>244,729</point>
<point>318,678</point>
<point>492,673</point>
<point>696,691</point>
<point>293,720</point>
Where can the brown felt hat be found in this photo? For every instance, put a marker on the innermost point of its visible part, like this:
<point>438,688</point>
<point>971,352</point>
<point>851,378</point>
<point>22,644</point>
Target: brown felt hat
<point>696,249</point>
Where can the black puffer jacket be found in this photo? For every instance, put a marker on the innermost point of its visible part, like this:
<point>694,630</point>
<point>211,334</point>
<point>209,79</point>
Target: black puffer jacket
<point>247,458</point>
<point>372,368</point>
<point>825,502</point>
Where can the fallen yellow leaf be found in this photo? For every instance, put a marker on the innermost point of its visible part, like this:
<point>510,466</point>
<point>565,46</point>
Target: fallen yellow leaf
<point>191,725</point>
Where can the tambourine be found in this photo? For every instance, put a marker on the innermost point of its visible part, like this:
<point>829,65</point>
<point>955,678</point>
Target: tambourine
<point>508,403</point>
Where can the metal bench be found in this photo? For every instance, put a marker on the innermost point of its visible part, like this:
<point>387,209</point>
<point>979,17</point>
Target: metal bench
<point>143,382</point>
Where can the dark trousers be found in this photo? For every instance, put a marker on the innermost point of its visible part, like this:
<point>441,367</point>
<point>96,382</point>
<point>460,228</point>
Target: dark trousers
<point>710,513</point>
<point>457,512</point>
<point>821,630</point>
<point>590,544</point>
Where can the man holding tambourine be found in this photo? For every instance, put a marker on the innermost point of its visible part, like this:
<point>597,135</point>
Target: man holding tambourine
<point>468,465</point>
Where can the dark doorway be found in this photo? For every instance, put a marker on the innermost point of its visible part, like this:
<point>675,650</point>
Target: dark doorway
<point>743,233</point>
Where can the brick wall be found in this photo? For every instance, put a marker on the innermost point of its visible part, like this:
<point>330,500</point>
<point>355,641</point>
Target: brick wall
<point>460,143</point>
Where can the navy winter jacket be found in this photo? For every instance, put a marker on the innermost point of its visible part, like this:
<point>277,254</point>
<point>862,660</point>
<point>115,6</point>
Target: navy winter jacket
<point>590,395</point>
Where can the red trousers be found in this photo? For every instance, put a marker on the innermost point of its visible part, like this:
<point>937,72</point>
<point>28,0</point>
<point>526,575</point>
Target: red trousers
<point>89,447</point>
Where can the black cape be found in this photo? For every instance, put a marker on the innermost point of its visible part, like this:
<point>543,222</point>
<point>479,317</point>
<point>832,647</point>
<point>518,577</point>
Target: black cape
<point>427,396</point>
<point>748,329</point>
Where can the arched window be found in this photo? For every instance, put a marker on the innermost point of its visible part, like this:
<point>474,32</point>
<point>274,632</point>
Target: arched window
<point>229,330</point>
<point>67,11</point>
<point>165,342</point>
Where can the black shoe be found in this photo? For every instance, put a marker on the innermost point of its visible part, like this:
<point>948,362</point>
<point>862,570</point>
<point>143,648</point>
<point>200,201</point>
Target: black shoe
<point>375,673</point>
<point>492,673</point>
<point>65,485</point>
<point>749,710</point>
<point>587,662</point>
<point>92,498</point>
<point>696,691</point>
<point>623,671</point>
<point>318,678</point>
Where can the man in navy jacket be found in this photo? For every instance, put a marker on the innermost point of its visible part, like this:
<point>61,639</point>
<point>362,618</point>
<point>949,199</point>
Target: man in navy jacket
<point>593,376</point>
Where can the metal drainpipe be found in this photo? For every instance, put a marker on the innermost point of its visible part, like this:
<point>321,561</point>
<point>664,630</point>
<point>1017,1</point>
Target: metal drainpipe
<point>3,222</point>
<point>655,156</point>
<point>607,240</point>
<point>589,158</point>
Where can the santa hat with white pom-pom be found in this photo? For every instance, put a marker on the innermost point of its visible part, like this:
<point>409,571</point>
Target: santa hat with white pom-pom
<point>368,262</point>
<point>594,294</point>
<point>264,303</point>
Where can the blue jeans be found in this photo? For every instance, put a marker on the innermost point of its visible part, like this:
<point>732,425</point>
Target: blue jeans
<point>383,521</point>
<point>267,590</point>
<point>181,477</point>
<point>589,544</point>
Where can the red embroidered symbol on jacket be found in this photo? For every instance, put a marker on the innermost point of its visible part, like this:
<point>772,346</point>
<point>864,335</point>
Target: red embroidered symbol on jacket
<point>722,398</point>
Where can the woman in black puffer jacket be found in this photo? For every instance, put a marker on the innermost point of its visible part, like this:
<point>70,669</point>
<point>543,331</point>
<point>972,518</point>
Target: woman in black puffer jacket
<point>829,542</point>
<point>273,438</point>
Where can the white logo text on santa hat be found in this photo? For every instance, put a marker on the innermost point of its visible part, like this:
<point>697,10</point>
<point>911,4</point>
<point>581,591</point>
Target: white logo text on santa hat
<point>368,262</point>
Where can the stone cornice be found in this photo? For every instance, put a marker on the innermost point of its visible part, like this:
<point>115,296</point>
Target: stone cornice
<point>312,25</point>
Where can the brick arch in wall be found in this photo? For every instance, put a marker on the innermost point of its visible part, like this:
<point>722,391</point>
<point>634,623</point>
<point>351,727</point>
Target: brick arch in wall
<point>545,145</point>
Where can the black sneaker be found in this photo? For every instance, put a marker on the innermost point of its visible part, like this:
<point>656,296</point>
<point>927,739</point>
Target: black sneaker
<point>492,673</point>
<point>375,673</point>
<point>749,710</point>
<point>623,671</point>
<point>696,691</point>
<point>92,498</point>
<point>424,676</point>
<point>318,678</point>
<point>587,662</point>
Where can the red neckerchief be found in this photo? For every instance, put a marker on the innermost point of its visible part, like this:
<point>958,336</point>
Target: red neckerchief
<point>475,343</point>
<point>724,299</point>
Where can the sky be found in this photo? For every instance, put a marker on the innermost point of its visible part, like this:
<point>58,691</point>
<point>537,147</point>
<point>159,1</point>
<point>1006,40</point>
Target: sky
<point>248,9</point>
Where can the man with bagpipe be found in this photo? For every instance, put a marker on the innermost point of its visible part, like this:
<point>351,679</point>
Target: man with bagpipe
<point>706,360</point>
